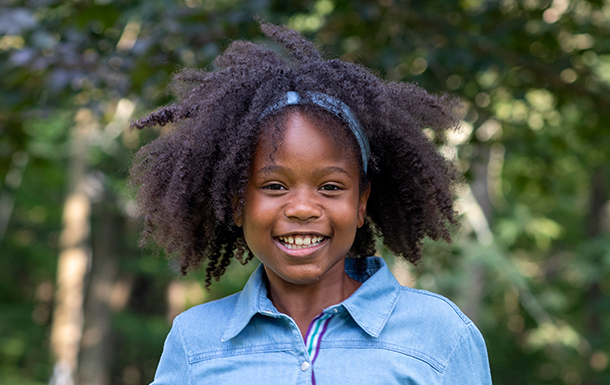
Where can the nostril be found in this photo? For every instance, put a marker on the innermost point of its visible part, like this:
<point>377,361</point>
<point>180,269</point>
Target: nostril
<point>302,211</point>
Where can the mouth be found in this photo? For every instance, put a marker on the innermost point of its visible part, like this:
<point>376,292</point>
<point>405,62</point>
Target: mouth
<point>301,241</point>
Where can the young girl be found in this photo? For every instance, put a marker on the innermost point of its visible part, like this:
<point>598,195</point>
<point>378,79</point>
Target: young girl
<point>303,163</point>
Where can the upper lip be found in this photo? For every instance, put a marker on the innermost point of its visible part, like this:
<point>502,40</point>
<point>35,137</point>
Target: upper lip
<point>301,233</point>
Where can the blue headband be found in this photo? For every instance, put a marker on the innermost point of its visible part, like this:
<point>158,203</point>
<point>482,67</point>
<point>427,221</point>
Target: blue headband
<point>332,105</point>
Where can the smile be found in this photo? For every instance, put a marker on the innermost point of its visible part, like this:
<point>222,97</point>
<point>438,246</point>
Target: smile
<point>295,242</point>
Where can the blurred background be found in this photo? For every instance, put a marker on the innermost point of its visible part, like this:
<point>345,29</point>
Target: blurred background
<point>80,303</point>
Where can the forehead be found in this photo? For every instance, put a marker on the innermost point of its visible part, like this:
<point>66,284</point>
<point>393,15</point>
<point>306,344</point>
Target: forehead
<point>311,121</point>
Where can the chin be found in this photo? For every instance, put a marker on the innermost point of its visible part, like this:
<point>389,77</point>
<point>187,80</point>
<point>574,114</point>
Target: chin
<point>304,278</point>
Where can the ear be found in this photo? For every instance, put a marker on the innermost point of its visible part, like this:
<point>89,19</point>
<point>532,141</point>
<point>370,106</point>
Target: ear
<point>237,219</point>
<point>364,197</point>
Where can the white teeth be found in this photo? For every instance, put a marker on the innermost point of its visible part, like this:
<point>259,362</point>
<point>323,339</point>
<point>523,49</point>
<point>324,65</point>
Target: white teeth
<point>300,241</point>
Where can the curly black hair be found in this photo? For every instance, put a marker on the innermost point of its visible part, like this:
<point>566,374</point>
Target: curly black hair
<point>191,182</point>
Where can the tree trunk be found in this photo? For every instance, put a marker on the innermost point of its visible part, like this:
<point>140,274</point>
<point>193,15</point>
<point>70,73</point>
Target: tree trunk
<point>74,258</point>
<point>96,346</point>
<point>473,294</point>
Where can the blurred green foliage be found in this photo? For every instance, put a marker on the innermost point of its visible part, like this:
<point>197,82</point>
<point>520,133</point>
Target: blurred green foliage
<point>533,269</point>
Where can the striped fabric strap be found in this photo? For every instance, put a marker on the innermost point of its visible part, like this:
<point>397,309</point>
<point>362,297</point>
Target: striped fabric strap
<point>316,330</point>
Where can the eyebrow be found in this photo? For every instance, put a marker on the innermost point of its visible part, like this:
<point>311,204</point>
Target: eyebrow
<point>324,170</point>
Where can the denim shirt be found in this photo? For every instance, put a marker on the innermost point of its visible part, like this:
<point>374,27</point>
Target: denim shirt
<point>382,334</point>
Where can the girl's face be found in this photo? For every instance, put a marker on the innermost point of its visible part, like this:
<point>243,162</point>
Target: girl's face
<point>302,204</point>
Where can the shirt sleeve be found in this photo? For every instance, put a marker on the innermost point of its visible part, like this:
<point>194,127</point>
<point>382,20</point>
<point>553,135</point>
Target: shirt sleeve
<point>468,363</point>
<point>173,365</point>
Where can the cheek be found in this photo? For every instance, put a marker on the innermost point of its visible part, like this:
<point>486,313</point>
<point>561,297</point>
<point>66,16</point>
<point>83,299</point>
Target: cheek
<point>348,217</point>
<point>258,214</point>
<point>256,209</point>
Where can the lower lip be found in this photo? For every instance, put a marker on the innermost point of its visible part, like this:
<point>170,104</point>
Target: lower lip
<point>304,252</point>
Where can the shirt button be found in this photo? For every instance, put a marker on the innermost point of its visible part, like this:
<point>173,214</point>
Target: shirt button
<point>305,366</point>
<point>336,310</point>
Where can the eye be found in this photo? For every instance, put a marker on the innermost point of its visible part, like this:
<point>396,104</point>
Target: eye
<point>273,186</point>
<point>330,187</point>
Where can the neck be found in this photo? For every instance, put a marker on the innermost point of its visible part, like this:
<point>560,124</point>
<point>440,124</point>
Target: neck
<point>304,302</point>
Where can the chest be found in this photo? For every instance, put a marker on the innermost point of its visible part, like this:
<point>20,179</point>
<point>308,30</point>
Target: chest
<point>273,351</point>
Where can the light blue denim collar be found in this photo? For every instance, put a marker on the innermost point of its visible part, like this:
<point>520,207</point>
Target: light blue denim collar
<point>370,306</point>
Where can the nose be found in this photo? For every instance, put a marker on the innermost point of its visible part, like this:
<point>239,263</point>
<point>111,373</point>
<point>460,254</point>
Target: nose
<point>302,207</point>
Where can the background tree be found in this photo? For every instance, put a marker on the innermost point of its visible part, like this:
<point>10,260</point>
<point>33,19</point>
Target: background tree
<point>530,263</point>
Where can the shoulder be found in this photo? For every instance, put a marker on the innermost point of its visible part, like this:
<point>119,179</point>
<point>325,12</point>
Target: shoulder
<point>430,305</point>
<point>430,325</point>
<point>429,312</point>
<point>444,336</point>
